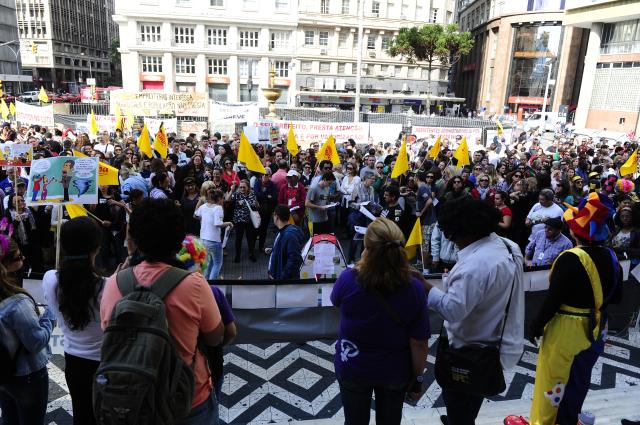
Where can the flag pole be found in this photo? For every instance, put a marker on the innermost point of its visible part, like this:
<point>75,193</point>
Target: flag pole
<point>58,227</point>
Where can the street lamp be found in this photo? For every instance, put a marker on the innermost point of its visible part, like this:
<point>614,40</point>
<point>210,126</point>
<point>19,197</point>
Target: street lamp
<point>16,53</point>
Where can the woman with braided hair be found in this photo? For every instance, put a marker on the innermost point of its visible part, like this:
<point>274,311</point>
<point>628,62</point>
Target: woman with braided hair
<point>384,328</point>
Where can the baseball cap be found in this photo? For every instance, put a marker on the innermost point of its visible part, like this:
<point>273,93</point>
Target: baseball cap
<point>292,173</point>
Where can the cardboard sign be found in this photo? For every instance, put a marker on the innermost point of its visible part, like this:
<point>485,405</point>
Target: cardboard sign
<point>63,180</point>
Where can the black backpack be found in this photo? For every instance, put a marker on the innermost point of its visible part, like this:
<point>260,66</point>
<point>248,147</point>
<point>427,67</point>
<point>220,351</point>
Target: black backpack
<point>141,379</point>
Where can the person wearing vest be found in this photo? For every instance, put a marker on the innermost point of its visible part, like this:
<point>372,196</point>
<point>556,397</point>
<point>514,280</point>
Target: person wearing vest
<point>573,318</point>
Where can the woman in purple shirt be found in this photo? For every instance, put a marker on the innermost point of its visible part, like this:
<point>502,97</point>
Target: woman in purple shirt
<point>384,329</point>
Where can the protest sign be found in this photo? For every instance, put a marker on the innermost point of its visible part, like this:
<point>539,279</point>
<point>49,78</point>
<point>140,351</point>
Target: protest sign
<point>82,127</point>
<point>187,127</point>
<point>507,133</point>
<point>153,124</point>
<point>63,179</point>
<point>105,123</point>
<point>31,115</point>
<point>308,132</point>
<point>262,134</point>
<point>383,133</point>
<point>224,113</point>
<point>472,134</point>
<point>16,155</point>
<point>154,103</point>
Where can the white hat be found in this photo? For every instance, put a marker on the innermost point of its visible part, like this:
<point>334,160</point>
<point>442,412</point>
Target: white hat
<point>292,173</point>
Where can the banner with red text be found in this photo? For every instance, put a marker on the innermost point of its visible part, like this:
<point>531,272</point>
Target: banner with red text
<point>308,132</point>
<point>32,115</point>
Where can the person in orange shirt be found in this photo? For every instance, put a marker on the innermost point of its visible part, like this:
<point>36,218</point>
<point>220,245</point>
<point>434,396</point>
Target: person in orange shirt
<point>157,228</point>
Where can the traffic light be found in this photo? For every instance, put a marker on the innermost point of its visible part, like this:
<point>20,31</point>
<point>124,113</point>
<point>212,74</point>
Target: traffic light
<point>34,48</point>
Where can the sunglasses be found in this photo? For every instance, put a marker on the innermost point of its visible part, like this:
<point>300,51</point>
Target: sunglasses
<point>430,177</point>
<point>484,180</point>
<point>518,176</point>
<point>379,166</point>
<point>457,182</point>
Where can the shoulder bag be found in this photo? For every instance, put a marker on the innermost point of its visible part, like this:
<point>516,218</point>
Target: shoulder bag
<point>253,215</point>
<point>475,368</point>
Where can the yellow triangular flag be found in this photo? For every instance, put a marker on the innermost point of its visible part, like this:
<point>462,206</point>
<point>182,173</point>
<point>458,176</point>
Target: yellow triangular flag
<point>415,238</point>
<point>144,142</point>
<point>130,119</point>
<point>402,161</point>
<point>161,143</point>
<point>75,210</point>
<point>118,118</point>
<point>631,166</point>
<point>4,109</point>
<point>247,155</point>
<point>462,154</point>
<point>500,129</point>
<point>42,96</point>
<point>93,124</point>
<point>328,151</point>
<point>292,145</point>
<point>107,175</point>
<point>12,109</point>
<point>435,150</point>
<point>79,154</point>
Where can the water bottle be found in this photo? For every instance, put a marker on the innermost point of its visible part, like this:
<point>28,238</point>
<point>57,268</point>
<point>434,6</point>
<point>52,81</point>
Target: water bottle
<point>586,418</point>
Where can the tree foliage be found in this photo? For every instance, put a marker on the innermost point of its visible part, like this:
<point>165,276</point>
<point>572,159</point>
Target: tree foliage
<point>430,43</point>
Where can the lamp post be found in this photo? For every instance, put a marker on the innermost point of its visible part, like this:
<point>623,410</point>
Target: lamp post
<point>16,53</point>
<point>356,107</point>
<point>546,93</point>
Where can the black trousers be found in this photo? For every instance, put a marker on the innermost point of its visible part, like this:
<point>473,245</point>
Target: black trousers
<point>462,408</point>
<point>241,229</point>
<point>79,375</point>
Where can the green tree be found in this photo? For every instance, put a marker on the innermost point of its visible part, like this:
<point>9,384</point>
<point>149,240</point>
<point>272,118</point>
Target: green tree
<point>114,54</point>
<point>430,43</point>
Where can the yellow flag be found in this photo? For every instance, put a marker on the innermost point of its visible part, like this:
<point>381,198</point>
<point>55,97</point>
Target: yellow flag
<point>4,109</point>
<point>12,109</point>
<point>161,143</point>
<point>130,119</point>
<point>402,161</point>
<point>435,150</point>
<point>414,241</point>
<point>500,129</point>
<point>462,154</point>
<point>79,154</point>
<point>247,155</point>
<point>328,151</point>
<point>292,145</point>
<point>631,166</point>
<point>118,118</point>
<point>42,96</point>
<point>75,210</point>
<point>144,142</point>
<point>93,124</point>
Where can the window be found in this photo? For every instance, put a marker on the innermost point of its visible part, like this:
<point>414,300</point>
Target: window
<point>243,65</point>
<point>371,42</point>
<point>342,38</point>
<point>324,6</point>
<point>150,33</point>
<point>404,11</point>
<point>324,38</point>
<point>280,39</point>
<point>282,68</point>
<point>217,36</point>
<point>308,38</point>
<point>346,6</point>
<point>184,35</point>
<point>218,92</point>
<point>425,74</point>
<point>282,5</point>
<point>249,5</point>
<point>249,38</point>
<point>305,67</point>
<point>249,95</point>
<point>151,63</point>
<point>434,17</point>
<point>375,8</point>
<point>341,68</point>
<point>385,42</point>
<point>185,65</point>
<point>325,67</point>
<point>217,3</point>
<point>217,67</point>
<point>355,40</point>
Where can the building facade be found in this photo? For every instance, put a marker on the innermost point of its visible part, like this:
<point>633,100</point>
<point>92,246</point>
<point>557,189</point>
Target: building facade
<point>524,59</point>
<point>610,91</point>
<point>10,66</point>
<point>226,48</point>
<point>65,42</point>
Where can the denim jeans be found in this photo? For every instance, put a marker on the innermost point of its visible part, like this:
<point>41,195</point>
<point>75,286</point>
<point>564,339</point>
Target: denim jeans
<point>215,256</point>
<point>23,399</point>
<point>206,413</point>
<point>356,401</point>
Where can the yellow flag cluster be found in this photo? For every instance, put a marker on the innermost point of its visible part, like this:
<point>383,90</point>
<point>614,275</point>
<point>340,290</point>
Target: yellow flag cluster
<point>144,142</point>
<point>249,156</point>
<point>631,166</point>
<point>328,151</point>
<point>292,145</point>
<point>402,161</point>
<point>161,143</point>
<point>462,154</point>
<point>107,175</point>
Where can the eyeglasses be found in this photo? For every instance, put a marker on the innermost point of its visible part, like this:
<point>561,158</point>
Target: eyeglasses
<point>430,177</point>
<point>484,180</point>
<point>379,166</point>
<point>518,176</point>
<point>478,168</point>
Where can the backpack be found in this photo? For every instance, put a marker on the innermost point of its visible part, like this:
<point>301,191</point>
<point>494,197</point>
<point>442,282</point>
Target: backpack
<point>141,379</point>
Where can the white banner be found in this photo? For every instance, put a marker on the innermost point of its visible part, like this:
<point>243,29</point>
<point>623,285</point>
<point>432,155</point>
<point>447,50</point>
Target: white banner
<point>187,127</point>
<point>224,113</point>
<point>30,114</point>
<point>153,124</point>
<point>154,103</point>
<point>383,133</point>
<point>472,134</point>
<point>308,132</point>
<point>105,123</point>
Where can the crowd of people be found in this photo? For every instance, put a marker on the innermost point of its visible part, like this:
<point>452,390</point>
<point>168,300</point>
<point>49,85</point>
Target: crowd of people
<point>564,201</point>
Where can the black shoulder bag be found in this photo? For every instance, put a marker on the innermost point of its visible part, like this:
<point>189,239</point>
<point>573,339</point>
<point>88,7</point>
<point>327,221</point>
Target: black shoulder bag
<point>472,369</point>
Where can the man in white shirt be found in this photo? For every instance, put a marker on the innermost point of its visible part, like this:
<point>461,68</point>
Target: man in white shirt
<point>104,146</point>
<point>543,210</point>
<point>476,291</point>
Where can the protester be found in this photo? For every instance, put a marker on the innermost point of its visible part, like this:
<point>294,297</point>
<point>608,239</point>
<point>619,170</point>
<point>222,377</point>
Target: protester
<point>547,244</point>
<point>211,215</point>
<point>286,256</point>
<point>318,200</point>
<point>244,201</point>
<point>73,294</point>
<point>384,329</point>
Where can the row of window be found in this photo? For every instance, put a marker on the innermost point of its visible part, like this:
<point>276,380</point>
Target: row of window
<point>343,39</point>
<point>215,66</point>
<point>306,67</point>
<point>281,5</point>
<point>375,10</point>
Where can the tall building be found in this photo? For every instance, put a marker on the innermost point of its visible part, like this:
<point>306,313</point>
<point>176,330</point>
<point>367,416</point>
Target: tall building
<point>220,46</point>
<point>65,42</point>
<point>610,91</point>
<point>521,52</point>
<point>10,67</point>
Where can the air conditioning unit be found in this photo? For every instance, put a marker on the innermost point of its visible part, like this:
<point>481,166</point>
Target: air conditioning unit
<point>372,54</point>
<point>323,52</point>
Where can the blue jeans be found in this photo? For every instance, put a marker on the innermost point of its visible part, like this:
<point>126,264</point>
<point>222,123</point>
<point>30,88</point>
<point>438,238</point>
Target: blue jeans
<point>215,256</point>
<point>356,401</point>
<point>206,413</point>
<point>23,399</point>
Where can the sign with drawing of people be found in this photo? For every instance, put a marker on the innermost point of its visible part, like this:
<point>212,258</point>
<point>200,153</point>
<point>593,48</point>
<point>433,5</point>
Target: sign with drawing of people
<point>16,155</point>
<point>63,180</point>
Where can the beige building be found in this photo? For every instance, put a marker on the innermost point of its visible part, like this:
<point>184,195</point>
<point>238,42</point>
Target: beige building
<point>610,91</point>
